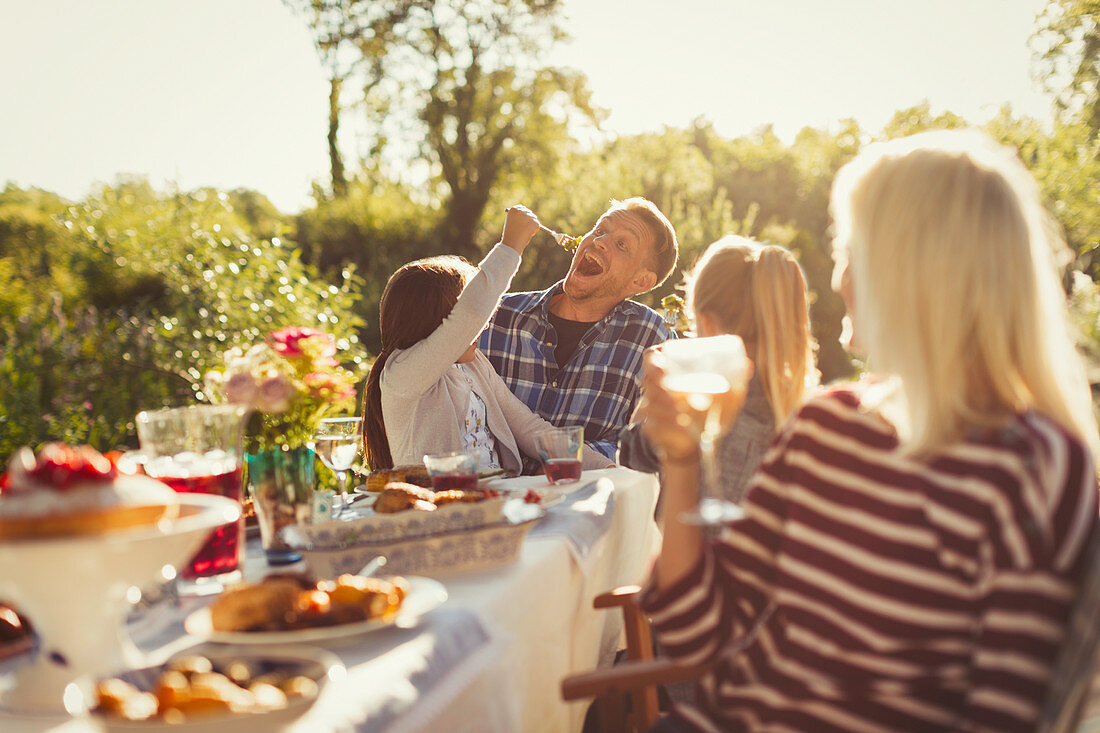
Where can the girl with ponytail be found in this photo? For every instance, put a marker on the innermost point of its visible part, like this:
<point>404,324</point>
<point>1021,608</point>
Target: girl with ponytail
<point>757,292</point>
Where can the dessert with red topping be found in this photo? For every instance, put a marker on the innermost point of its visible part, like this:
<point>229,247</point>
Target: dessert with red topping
<point>66,490</point>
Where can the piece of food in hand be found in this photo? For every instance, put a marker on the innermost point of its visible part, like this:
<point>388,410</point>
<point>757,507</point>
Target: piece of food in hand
<point>399,496</point>
<point>66,490</point>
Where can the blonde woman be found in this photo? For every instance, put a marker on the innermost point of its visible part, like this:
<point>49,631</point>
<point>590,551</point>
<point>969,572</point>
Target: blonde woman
<point>757,292</point>
<point>911,545</point>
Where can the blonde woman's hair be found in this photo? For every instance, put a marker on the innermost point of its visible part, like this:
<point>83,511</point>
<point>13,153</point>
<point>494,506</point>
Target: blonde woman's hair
<point>956,287</point>
<point>758,292</point>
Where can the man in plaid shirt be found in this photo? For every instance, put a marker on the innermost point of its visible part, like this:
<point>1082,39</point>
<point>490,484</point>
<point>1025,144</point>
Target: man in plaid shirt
<point>573,352</point>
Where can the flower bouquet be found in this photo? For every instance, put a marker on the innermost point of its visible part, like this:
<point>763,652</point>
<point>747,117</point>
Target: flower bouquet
<point>291,382</point>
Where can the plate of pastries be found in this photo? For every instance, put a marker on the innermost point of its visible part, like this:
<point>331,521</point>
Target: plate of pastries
<point>417,475</point>
<point>292,608</point>
<point>217,689</point>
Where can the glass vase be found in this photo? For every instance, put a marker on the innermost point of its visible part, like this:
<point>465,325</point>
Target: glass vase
<point>281,481</point>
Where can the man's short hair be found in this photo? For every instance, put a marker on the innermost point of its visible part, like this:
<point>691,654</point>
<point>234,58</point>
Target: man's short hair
<point>666,249</point>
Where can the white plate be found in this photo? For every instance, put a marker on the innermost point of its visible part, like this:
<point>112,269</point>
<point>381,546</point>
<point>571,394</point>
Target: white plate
<point>424,595</point>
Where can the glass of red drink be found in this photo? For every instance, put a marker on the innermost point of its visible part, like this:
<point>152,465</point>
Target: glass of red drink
<point>560,452</point>
<point>198,450</point>
<point>457,470</point>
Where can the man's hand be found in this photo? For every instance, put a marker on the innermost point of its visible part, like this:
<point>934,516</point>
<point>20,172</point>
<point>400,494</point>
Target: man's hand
<point>520,225</point>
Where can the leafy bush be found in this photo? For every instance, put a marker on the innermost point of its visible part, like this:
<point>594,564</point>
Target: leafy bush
<point>163,284</point>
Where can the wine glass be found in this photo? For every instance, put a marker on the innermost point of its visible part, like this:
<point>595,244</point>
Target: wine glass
<point>710,375</point>
<point>336,443</point>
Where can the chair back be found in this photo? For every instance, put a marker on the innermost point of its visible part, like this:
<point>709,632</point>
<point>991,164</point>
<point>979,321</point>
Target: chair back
<point>1076,662</point>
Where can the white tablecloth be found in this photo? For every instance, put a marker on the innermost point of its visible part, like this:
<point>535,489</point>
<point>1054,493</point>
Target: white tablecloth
<point>492,657</point>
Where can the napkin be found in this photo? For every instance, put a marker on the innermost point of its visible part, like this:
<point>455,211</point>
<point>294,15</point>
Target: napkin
<point>583,518</point>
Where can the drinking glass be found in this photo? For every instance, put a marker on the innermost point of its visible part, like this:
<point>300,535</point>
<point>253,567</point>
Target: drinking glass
<point>198,450</point>
<point>336,443</point>
<point>455,470</point>
<point>710,375</point>
<point>560,452</point>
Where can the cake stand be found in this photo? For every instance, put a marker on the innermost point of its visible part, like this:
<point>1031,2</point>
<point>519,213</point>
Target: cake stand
<point>75,591</point>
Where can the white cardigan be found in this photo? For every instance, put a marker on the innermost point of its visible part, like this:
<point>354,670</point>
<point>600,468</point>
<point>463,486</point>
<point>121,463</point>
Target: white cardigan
<point>425,394</point>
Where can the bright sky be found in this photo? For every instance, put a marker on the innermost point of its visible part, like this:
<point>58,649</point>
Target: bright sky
<point>229,93</point>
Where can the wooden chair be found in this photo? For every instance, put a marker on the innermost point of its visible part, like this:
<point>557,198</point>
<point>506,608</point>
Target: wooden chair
<point>626,695</point>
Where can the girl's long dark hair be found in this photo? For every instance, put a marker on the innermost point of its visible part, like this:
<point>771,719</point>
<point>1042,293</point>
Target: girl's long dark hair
<point>416,300</point>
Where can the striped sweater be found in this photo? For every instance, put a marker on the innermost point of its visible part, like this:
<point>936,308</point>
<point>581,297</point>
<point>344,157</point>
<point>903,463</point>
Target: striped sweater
<point>865,590</point>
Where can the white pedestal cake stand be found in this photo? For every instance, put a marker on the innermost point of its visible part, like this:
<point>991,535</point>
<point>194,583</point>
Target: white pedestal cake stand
<point>74,591</point>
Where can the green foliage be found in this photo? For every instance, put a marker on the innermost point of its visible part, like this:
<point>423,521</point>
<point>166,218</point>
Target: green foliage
<point>919,118</point>
<point>375,229</point>
<point>1067,49</point>
<point>140,293</point>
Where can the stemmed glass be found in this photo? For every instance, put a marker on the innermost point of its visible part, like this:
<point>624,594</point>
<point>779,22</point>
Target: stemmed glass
<point>336,443</point>
<point>711,376</point>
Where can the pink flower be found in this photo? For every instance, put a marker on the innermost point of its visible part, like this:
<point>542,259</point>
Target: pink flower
<point>240,388</point>
<point>274,394</point>
<point>328,385</point>
<point>291,342</point>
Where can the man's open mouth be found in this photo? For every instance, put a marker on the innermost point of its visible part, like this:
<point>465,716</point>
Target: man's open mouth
<point>589,266</point>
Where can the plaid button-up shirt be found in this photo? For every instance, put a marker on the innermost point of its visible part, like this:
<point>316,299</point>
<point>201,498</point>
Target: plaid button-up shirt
<point>599,386</point>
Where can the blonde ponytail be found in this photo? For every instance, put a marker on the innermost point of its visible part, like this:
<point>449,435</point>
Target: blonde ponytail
<point>785,347</point>
<point>759,293</point>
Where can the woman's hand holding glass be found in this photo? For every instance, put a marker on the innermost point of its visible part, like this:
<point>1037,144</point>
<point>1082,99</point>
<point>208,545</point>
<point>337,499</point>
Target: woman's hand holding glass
<point>693,392</point>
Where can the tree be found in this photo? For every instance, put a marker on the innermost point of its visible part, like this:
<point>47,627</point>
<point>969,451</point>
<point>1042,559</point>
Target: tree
<point>354,39</point>
<point>462,93</point>
<point>1067,47</point>
<point>919,118</point>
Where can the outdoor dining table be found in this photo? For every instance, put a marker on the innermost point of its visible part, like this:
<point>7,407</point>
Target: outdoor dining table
<point>491,657</point>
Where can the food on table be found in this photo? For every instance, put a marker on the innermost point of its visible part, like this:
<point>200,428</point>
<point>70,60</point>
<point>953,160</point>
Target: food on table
<point>289,601</point>
<point>255,606</point>
<point>411,474</point>
<point>459,496</point>
<point>195,687</point>
<point>399,497</point>
<point>67,490</point>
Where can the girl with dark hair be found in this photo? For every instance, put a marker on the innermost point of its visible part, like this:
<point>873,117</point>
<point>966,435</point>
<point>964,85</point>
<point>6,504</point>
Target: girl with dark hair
<point>430,390</point>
